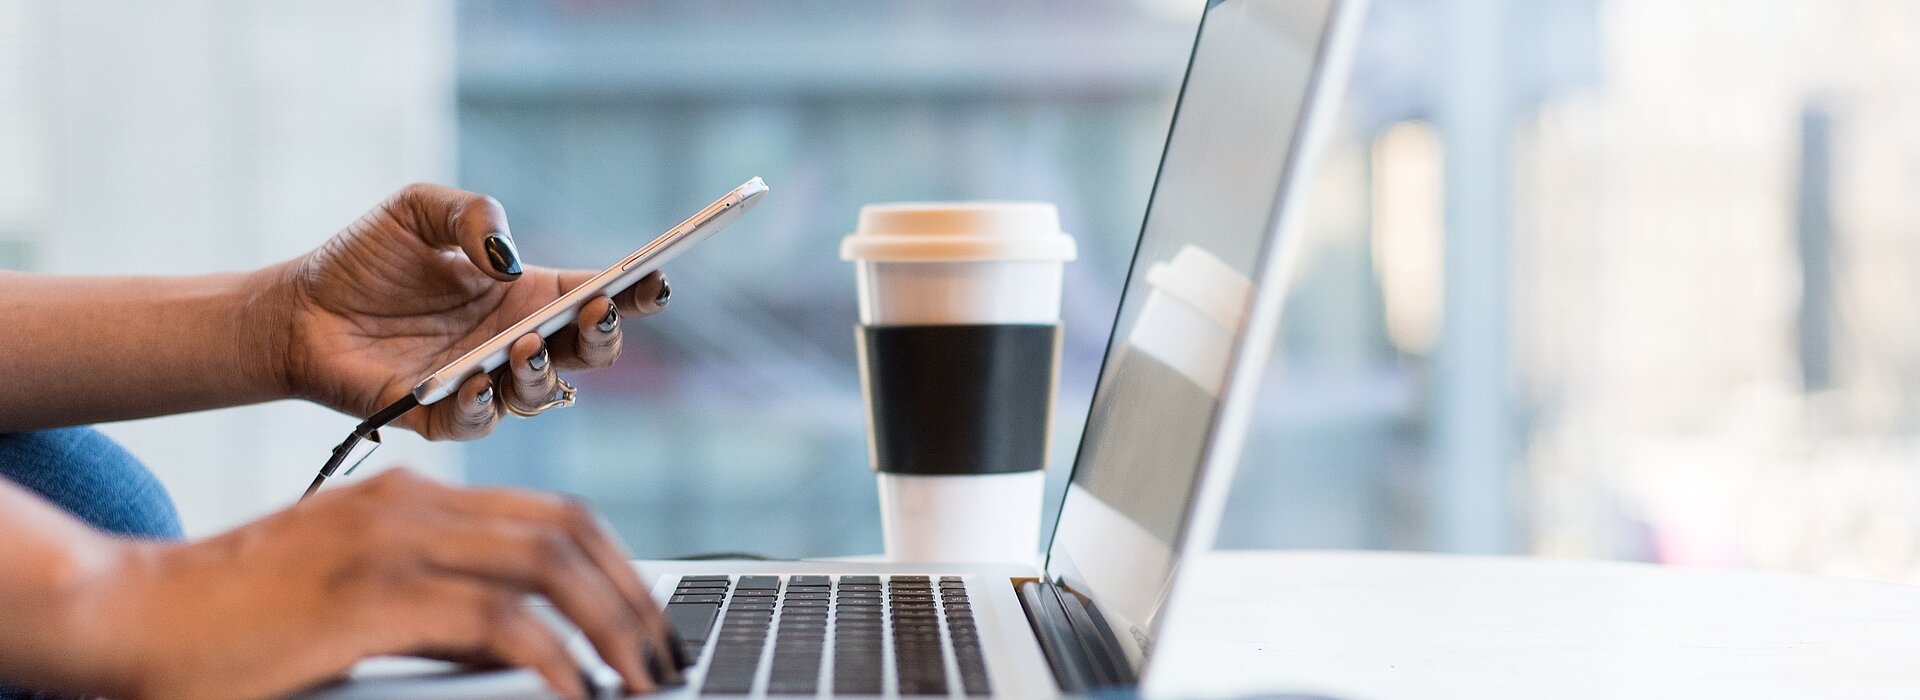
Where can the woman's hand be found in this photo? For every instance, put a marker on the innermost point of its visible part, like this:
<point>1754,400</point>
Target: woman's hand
<point>422,278</point>
<point>396,564</point>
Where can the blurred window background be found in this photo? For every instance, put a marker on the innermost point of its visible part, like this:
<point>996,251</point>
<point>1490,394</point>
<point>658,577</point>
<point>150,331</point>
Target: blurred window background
<point>1594,278</point>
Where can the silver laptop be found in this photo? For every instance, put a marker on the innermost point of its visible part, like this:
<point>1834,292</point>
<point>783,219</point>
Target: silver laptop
<point>1169,415</point>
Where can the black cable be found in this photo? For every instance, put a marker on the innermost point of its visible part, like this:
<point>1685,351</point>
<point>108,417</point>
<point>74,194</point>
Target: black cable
<point>315,486</point>
<point>368,429</point>
<point>391,413</point>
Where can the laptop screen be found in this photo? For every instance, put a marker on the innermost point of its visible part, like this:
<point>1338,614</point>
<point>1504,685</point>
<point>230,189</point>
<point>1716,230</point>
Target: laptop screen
<point>1186,303</point>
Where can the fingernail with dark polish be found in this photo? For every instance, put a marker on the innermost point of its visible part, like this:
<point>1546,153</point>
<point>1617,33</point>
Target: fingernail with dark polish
<point>502,254</point>
<point>610,321</point>
<point>539,360</point>
<point>587,687</point>
<point>666,292</point>
<point>484,397</point>
<point>651,660</point>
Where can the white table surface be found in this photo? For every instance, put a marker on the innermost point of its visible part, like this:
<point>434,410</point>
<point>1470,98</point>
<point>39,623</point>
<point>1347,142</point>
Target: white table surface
<point>1397,625</point>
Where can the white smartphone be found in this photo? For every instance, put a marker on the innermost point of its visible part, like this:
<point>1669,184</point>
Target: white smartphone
<point>557,315</point>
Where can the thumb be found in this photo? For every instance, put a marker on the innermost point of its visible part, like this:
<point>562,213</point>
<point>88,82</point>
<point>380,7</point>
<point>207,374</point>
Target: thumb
<point>445,217</point>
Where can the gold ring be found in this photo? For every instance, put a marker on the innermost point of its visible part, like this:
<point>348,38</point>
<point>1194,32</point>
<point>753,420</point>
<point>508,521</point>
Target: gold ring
<point>562,398</point>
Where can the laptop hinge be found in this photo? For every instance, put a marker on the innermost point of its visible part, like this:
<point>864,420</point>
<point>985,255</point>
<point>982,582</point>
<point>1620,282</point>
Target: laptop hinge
<point>1079,646</point>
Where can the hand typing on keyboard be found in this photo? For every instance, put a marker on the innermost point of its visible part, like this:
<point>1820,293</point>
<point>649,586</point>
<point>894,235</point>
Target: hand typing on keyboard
<point>394,565</point>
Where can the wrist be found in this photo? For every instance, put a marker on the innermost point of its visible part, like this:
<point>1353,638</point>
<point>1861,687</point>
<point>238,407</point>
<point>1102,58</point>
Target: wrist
<point>141,621</point>
<point>92,602</point>
<point>267,300</point>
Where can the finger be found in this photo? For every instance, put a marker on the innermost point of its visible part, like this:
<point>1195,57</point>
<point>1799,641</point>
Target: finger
<point>642,298</point>
<point>648,296</point>
<point>454,218</point>
<point>545,559</point>
<point>593,341</point>
<point>442,616</point>
<point>598,539</point>
<point>470,413</point>
<point>521,639</point>
<point>465,558</point>
<point>599,543</point>
<point>533,381</point>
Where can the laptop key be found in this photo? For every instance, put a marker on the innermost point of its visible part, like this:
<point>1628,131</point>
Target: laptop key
<point>692,621</point>
<point>970,658</point>
<point>729,684</point>
<point>923,685</point>
<point>855,684</point>
<point>975,683</point>
<point>792,685</point>
<point>758,582</point>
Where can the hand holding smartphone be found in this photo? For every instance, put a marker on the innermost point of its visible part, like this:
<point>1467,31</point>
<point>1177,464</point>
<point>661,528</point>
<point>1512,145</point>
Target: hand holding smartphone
<point>562,311</point>
<point>556,315</point>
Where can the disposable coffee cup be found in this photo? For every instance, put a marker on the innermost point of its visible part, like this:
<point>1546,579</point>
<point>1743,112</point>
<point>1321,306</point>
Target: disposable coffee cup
<point>959,340</point>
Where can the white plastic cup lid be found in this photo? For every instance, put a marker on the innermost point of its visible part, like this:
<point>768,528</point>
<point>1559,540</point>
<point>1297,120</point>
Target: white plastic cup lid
<point>958,232</point>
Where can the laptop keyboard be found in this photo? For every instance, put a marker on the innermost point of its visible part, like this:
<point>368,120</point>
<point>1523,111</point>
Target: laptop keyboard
<point>834,633</point>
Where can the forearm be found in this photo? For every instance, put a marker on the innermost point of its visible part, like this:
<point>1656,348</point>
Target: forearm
<point>90,349</point>
<point>58,598</point>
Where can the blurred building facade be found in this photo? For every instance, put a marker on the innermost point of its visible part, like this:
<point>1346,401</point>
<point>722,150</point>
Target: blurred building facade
<point>1594,278</point>
<point>206,135</point>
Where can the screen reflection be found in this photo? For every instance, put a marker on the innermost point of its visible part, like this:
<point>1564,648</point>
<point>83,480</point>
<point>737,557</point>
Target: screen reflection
<point>1185,306</point>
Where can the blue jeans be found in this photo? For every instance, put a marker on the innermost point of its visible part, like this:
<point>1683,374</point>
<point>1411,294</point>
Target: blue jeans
<point>92,477</point>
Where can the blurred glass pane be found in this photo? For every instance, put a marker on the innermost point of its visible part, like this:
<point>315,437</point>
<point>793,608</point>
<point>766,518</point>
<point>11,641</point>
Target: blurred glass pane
<point>734,421</point>
<point>1609,278</point>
